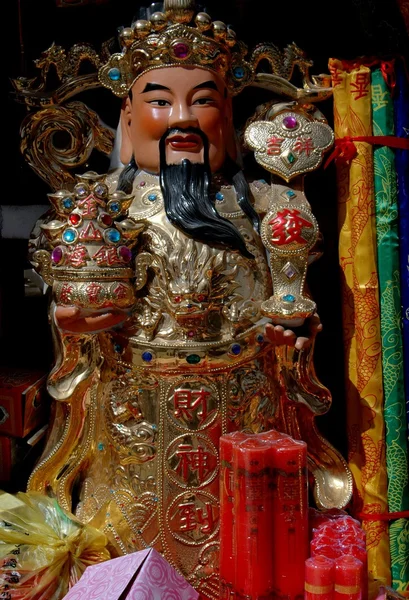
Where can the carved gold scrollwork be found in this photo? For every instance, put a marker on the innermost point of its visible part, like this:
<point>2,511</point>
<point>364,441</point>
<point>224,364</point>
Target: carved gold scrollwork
<point>80,131</point>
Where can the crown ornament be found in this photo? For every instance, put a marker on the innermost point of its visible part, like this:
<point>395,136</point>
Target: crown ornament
<point>177,37</point>
<point>88,252</point>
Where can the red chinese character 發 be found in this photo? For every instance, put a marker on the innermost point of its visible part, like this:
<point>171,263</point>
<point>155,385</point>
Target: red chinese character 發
<point>191,459</point>
<point>361,85</point>
<point>185,401</point>
<point>274,146</point>
<point>303,145</point>
<point>287,226</point>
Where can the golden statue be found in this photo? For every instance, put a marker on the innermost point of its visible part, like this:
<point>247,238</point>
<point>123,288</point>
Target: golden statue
<point>176,283</point>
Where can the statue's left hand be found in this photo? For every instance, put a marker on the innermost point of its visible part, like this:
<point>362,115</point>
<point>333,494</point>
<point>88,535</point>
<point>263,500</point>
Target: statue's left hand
<point>279,336</point>
<point>72,320</point>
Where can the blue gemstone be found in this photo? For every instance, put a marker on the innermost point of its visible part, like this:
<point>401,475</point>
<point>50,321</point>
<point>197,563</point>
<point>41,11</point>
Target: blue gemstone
<point>115,207</point>
<point>290,194</point>
<point>67,203</point>
<point>113,235</point>
<point>117,348</point>
<point>147,356</point>
<point>219,196</point>
<point>238,72</point>
<point>152,197</point>
<point>69,235</point>
<point>101,446</point>
<point>114,74</point>
<point>260,339</point>
<point>236,349</point>
<point>289,298</point>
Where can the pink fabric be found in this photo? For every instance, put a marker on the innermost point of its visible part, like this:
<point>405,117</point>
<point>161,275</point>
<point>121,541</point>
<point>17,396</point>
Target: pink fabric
<point>155,579</point>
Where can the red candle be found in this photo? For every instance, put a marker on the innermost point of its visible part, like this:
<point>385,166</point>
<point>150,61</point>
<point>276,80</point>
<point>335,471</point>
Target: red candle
<point>326,547</point>
<point>253,509</point>
<point>290,517</point>
<point>319,578</point>
<point>361,554</point>
<point>348,577</point>
<point>227,550</point>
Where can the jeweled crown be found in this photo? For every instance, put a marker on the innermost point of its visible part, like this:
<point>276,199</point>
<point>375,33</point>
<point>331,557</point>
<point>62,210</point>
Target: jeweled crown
<point>177,37</point>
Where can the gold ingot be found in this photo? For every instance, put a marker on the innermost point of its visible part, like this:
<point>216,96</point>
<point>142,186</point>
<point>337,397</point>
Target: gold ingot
<point>52,230</point>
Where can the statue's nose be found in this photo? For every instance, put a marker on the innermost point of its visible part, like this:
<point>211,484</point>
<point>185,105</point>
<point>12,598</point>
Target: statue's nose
<point>182,116</point>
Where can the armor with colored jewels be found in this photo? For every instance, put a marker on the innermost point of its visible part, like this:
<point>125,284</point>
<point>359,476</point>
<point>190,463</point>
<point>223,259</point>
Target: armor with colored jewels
<point>209,259</point>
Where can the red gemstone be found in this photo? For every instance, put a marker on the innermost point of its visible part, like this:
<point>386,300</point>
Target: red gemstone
<point>177,299</point>
<point>181,50</point>
<point>74,219</point>
<point>125,253</point>
<point>191,333</point>
<point>201,297</point>
<point>106,219</point>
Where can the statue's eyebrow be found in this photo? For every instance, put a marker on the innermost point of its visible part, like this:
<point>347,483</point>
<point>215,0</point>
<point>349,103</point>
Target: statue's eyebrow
<point>152,87</point>
<point>207,85</point>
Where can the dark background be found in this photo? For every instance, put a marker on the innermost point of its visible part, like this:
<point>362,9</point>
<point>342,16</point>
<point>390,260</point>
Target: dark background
<point>345,29</point>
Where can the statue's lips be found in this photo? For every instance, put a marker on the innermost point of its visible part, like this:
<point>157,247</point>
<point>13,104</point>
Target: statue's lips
<point>185,142</point>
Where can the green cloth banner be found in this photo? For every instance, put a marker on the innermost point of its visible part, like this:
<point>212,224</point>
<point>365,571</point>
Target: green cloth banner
<point>386,207</point>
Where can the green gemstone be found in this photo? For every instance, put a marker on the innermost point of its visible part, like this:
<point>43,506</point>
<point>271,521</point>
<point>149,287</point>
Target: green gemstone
<point>291,158</point>
<point>193,359</point>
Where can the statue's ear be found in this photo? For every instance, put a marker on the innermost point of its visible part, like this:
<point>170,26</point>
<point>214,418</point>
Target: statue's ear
<point>126,149</point>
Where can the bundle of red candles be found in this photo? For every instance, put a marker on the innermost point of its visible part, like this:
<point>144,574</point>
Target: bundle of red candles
<point>337,569</point>
<point>264,515</point>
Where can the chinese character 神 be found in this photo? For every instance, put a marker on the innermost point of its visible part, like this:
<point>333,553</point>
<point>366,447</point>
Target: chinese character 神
<point>287,226</point>
<point>185,401</point>
<point>274,146</point>
<point>192,460</point>
<point>360,85</point>
<point>303,145</point>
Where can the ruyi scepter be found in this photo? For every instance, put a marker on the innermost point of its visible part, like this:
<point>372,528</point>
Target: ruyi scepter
<point>289,140</point>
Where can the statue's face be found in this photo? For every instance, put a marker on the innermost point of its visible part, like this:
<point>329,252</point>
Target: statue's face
<point>176,97</point>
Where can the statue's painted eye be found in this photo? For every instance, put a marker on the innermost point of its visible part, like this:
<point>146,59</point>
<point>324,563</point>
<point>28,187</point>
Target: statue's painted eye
<point>177,299</point>
<point>201,297</point>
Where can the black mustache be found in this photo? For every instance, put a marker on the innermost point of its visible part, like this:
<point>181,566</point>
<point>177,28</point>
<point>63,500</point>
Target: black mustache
<point>183,131</point>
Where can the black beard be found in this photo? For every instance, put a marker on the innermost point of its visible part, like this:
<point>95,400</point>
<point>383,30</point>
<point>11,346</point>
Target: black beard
<point>185,189</point>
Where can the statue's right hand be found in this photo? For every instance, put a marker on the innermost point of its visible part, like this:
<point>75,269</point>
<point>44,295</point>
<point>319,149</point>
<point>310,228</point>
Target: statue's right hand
<point>74,320</point>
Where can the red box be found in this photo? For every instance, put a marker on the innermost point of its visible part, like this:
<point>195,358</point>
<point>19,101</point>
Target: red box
<point>23,401</point>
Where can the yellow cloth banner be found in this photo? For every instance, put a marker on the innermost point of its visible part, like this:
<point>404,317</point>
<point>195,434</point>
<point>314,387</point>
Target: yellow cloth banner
<point>361,314</point>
